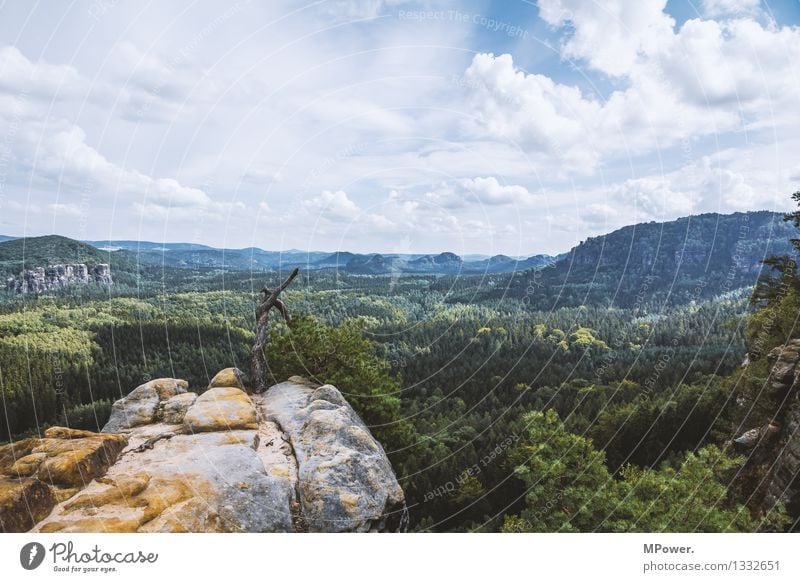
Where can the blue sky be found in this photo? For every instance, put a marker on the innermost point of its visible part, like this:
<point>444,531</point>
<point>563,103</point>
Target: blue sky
<point>392,126</point>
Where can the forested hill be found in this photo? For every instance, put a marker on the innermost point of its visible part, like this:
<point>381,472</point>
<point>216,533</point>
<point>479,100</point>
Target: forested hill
<point>43,251</point>
<point>647,264</point>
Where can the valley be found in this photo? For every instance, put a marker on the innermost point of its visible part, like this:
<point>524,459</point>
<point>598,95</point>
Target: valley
<point>552,395</point>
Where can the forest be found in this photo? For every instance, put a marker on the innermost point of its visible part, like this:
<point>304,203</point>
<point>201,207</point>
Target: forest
<point>556,409</point>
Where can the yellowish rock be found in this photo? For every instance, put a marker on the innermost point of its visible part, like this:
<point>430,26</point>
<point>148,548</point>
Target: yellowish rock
<point>75,462</point>
<point>220,409</point>
<point>229,377</point>
<point>41,472</point>
<point>62,432</point>
<point>23,502</point>
<point>27,465</point>
<point>121,490</point>
<point>168,387</point>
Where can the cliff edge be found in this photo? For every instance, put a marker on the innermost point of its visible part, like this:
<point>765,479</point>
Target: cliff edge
<point>296,458</point>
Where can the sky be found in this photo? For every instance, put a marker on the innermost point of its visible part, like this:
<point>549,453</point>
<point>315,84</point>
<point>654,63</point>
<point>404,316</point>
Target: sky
<point>392,126</point>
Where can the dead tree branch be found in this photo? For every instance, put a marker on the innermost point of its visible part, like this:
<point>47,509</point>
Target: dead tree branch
<point>258,359</point>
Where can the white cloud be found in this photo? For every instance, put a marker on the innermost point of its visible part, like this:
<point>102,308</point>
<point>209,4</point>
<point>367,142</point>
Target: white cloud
<point>478,191</point>
<point>737,64</point>
<point>611,35</point>
<point>730,181</point>
<point>531,110</point>
<point>60,209</point>
<point>334,206</point>
<point>67,160</point>
<point>706,78</point>
<point>21,76</point>
<point>315,117</point>
<point>358,9</point>
<point>715,8</point>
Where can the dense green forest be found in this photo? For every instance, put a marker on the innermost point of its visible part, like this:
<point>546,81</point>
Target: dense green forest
<point>600,406</point>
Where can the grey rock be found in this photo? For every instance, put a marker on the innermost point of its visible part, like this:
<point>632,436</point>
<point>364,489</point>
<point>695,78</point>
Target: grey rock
<point>781,460</point>
<point>296,458</point>
<point>209,482</point>
<point>748,439</point>
<point>42,279</point>
<point>143,404</point>
<point>345,480</point>
<point>174,409</point>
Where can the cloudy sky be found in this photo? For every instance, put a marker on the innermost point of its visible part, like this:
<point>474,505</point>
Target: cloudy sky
<point>391,126</point>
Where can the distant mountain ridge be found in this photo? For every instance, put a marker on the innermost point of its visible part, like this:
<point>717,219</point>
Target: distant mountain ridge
<point>43,251</point>
<point>689,247</point>
<point>682,260</point>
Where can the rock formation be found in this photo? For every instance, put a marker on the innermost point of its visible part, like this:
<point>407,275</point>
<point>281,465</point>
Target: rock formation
<point>37,473</point>
<point>42,279</point>
<point>344,481</point>
<point>296,458</point>
<point>774,455</point>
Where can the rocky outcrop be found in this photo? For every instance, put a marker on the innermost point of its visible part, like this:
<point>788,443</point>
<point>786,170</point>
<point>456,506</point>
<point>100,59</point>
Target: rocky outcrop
<point>775,454</point>
<point>345,481</point>
<point>36,473</point>
<point>42,279</point>
<point>296,458</point>
<point>149,403</point>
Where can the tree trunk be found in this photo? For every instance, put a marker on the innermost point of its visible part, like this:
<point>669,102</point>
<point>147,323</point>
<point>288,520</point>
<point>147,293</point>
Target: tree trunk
<point>258,356</point>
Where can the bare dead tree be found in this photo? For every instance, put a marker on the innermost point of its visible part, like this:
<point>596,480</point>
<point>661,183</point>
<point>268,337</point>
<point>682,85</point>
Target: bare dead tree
<point>258,359</point>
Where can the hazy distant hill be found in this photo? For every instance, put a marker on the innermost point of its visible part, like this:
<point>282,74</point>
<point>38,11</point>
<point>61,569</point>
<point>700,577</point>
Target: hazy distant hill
<point>193,256</point>
<point>685,259</point>
<point>717,251</point>
<point>21,254</point>
<point>42,251</point>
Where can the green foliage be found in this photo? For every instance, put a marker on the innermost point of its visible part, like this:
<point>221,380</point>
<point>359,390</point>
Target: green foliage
<point>569,488</point>
<point>341,356</point>
<point>446,375</point>
<point>92,416</point>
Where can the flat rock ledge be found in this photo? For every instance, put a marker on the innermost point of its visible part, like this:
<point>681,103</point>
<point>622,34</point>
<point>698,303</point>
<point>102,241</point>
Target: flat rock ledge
<point>296,458</point>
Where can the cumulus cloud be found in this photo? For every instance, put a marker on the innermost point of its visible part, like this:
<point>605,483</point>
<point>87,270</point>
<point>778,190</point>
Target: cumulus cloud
<point>723,183</point>
<point>471,191</point>
<point>531,110</point>
<point>706,78</point>
<point>716,8</point>
<point>610,36</point>
<point>21,76</point>
<point>66,159</point>
<point>335,206</point>
<point>667,117</point>
<point>60,209</point>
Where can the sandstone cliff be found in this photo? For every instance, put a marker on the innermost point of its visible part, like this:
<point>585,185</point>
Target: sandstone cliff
<point>42,279</point>
<point>296,458</point>
<point>773,450</point>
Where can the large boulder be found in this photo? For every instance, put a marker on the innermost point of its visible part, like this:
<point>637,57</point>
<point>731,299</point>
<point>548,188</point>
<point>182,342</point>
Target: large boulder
<point>208,482</point>
<point>174,409</point>
<point>36,473</point>
<point>221,409</point>
<point>775,461</point>
<point>228,377</point>
<point>345,480</point>
<point>297,458</point>
<point>143,405</point>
